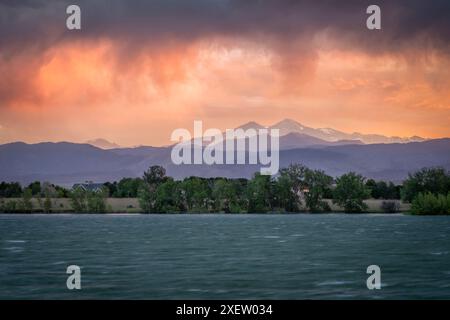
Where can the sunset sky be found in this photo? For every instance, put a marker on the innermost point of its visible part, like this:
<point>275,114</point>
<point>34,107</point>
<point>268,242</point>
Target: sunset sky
<point>140,69</point>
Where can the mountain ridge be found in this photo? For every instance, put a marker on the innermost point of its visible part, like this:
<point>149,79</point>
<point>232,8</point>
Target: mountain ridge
<point>67,163</point>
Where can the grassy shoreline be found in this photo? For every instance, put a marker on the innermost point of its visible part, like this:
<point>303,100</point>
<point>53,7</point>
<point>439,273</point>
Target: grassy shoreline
<point>131,206</point>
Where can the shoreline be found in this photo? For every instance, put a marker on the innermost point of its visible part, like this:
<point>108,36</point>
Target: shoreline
<point>131,206</point>
<point>203,213</point>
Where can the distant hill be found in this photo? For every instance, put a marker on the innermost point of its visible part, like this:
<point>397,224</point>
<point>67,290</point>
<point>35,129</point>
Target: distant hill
<point>67,163</point>
<point>63,162</point>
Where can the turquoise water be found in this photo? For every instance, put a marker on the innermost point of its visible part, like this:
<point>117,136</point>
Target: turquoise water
<point>224,256</point>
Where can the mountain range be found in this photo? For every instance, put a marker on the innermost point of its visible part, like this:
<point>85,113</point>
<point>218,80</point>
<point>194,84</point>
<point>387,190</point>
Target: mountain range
<point>295,135</point>
<point>334,152</point>
<point>289,126</point>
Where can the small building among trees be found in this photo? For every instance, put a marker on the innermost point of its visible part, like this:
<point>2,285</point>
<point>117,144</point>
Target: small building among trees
<point>89,186</point>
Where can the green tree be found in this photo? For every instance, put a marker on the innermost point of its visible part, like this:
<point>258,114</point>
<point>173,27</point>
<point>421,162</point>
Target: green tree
<point>296,174</point>
<point>153,177</point>
<point>111,188</point>
<point>225,195</point>
<point>129,187</point>
<point>166,197</point>
<point>78,199</point>
<point>285,196</point>
<point>259,193</point>
<point>371,184</point>
<point>317,183</point>
<point>290,187</point>
<point>147,199</point>
<point>26,204</point>
<point>35,188</point>
<point>350,192</point>
<point>432,180</point>
<point>196,194</point>
<point>10,190</point>
<point>96,201</point>
<point>383,190</point>
<point>393,191</point>
<point>298,183</point>
<point>47,204</point>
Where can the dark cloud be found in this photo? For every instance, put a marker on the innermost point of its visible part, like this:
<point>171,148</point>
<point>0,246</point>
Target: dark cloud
<point>289,28</point>
<point>42,23</point>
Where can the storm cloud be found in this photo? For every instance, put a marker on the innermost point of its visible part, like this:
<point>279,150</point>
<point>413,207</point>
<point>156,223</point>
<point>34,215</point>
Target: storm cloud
<point>41,23</point>
<point>28,29</point>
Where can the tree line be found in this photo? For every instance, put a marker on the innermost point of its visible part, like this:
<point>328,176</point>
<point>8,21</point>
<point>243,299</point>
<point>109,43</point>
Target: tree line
<point>296,188</point>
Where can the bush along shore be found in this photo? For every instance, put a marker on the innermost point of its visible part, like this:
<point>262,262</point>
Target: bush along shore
<point>295,189</point>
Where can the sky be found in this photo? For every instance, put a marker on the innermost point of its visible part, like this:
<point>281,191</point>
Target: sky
<point>137,70</point>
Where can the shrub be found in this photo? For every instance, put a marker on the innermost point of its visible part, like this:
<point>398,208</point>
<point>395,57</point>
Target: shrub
<point>390,206</point>
<point>10,206</point>
<point>430,204</point>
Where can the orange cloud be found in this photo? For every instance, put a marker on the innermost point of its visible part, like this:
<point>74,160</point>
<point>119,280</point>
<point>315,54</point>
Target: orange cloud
<point>83,90</point>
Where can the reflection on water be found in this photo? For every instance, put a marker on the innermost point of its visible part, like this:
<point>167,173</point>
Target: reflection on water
<point>224,256</point>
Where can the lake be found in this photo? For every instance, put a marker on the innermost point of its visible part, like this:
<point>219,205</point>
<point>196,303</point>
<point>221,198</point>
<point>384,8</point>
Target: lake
<point>206,256</point>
